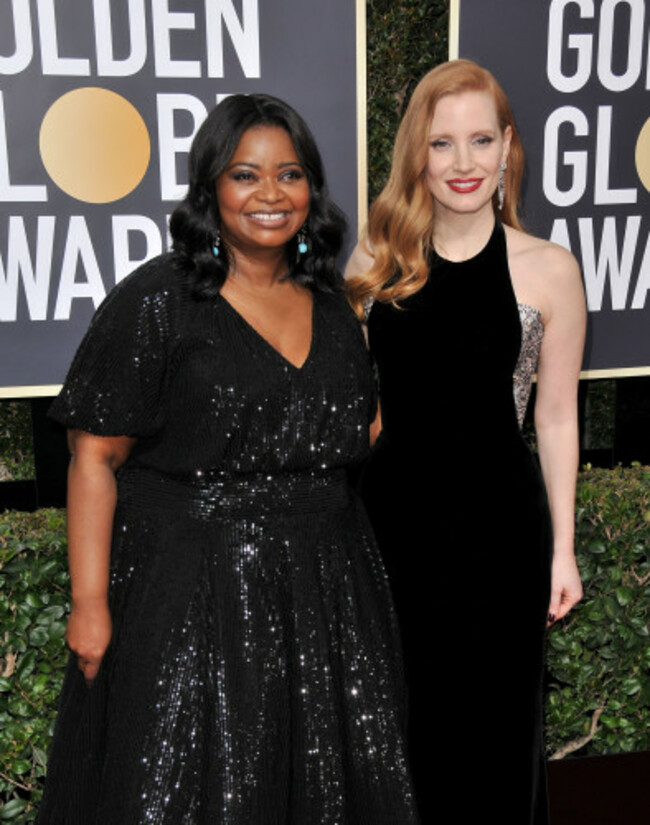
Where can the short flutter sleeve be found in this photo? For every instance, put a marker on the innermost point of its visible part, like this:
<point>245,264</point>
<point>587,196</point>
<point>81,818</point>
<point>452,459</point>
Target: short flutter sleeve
<point>116,381</point>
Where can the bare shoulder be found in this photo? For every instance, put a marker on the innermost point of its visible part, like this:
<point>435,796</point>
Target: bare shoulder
<point>540,256</point>
<point>543,274</point>
<point>360,261</point>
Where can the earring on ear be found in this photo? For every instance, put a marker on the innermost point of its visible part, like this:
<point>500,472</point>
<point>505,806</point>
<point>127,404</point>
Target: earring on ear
<point>301,237</point>
<point>501,186</point>
<point>216,242</point>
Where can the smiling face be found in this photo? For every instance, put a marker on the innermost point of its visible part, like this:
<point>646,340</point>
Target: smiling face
<point>263,193</point>
<point>466,149</point>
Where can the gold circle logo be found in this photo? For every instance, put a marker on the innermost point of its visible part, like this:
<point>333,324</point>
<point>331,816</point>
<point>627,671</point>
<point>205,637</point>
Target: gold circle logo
<point>94,145</point>
<point>642,155</point>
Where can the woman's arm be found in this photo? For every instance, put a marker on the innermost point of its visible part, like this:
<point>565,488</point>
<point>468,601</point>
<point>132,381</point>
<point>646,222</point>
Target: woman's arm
<point>91,507</point>
<point>556,420</point>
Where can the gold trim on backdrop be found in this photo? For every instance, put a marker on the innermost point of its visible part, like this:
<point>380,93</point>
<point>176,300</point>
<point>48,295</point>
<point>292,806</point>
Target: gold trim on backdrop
<point>30,392</point>
<point>623,372</point>
<point>362,118</point>
<point>454,29</point>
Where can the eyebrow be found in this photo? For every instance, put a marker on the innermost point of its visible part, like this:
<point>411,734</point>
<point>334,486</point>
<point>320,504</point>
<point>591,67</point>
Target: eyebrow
<point>486,131</point>
<point>249,165</point>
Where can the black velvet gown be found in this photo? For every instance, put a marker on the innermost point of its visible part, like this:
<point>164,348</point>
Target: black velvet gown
<point>461,516</point>
<point>254,674</point>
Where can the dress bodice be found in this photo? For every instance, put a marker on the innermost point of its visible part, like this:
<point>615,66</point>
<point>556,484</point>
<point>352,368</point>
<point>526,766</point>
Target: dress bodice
<point>530,322</point>
<point>204,393</point>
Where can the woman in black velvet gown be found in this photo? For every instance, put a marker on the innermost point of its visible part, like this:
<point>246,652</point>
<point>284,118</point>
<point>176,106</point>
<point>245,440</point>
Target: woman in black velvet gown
<point>459,304</point>
<point>235,653</point>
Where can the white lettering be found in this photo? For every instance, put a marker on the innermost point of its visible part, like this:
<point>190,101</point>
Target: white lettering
<point>620,271</point>
<point>577,160</point>
<point>52,63</point>
<point>22,56</point>
<point>35,278</point>
<point>107,65</point>
<point>643,284</point>
<point>123,227</point>
<point>78,250</point>
<point>634,39</point>
<point>602,193</point>
<point>9,191</point>
<point>581,43</point>
<point>170,145</point>
<point>245,35</point>
<point>164,21</point>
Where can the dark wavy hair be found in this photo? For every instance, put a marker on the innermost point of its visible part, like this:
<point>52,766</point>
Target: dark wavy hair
<point>195,221</point>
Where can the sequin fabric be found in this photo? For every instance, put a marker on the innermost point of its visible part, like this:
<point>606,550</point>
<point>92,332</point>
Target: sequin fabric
<point>532,333</point>
<point>254,676</point>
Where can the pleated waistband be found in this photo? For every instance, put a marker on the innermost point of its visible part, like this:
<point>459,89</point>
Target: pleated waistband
<point>221,496</point>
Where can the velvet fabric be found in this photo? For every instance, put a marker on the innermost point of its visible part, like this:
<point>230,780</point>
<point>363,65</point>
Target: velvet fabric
<point>460,511</point>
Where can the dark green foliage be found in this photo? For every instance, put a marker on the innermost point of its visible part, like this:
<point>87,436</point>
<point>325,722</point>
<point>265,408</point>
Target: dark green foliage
<point>599,658</point>
<point>33,607</point>
<point>599,424</point>
<point>16,451</point>
<point>405,40</point>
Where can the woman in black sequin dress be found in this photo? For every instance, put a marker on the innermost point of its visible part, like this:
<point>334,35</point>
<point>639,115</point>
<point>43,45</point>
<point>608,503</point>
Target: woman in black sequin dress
<point>235,655</point>
<point>457,501</point>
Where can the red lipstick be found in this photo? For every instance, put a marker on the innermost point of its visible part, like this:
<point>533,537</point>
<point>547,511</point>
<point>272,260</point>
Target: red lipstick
<point>464,185</point>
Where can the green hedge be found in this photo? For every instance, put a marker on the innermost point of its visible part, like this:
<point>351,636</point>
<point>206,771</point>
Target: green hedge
<point>406,38</point>
<point>598,659</point>
<point>33,604</point>
<point>16,450</point>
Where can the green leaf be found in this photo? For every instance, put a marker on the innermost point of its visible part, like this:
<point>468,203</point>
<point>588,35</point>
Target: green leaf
<point>50,614</point>
<point>12,809</point>
<point>34,600</point>
<point>26,665</point>
<point>38,636</point>
<point>40,756</point>
<point>631,686</point>
<point>56,630</point>
<point>624,595</point>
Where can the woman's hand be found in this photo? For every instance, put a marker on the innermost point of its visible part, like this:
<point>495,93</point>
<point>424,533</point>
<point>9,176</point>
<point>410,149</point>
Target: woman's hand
<point>566,587</point>
<point>89,634</point>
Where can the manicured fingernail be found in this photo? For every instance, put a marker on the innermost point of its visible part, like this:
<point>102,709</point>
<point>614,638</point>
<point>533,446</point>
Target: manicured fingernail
<point>551,617</point>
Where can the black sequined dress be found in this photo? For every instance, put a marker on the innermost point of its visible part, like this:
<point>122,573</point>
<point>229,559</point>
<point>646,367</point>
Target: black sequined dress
<point>254,673</point>
<point>460,512</point>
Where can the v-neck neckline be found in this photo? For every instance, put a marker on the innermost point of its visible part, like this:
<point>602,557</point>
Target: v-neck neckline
<point>265,341</point>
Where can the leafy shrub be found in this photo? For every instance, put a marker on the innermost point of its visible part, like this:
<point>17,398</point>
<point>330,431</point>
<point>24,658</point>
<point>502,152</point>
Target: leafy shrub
<point>405,40</point>
<point>33,606</point>
<point>599,658</point>
<point>16,448</point>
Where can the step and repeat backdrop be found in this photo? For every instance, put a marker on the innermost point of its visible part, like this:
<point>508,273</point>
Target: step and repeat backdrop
<point>577,73</point>
<point>99,101</point>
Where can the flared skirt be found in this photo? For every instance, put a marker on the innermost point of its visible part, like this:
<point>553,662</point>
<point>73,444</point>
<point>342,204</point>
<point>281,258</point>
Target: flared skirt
<point>254,676</point>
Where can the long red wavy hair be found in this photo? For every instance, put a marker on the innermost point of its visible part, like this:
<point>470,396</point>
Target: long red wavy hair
<point>400,226</point>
